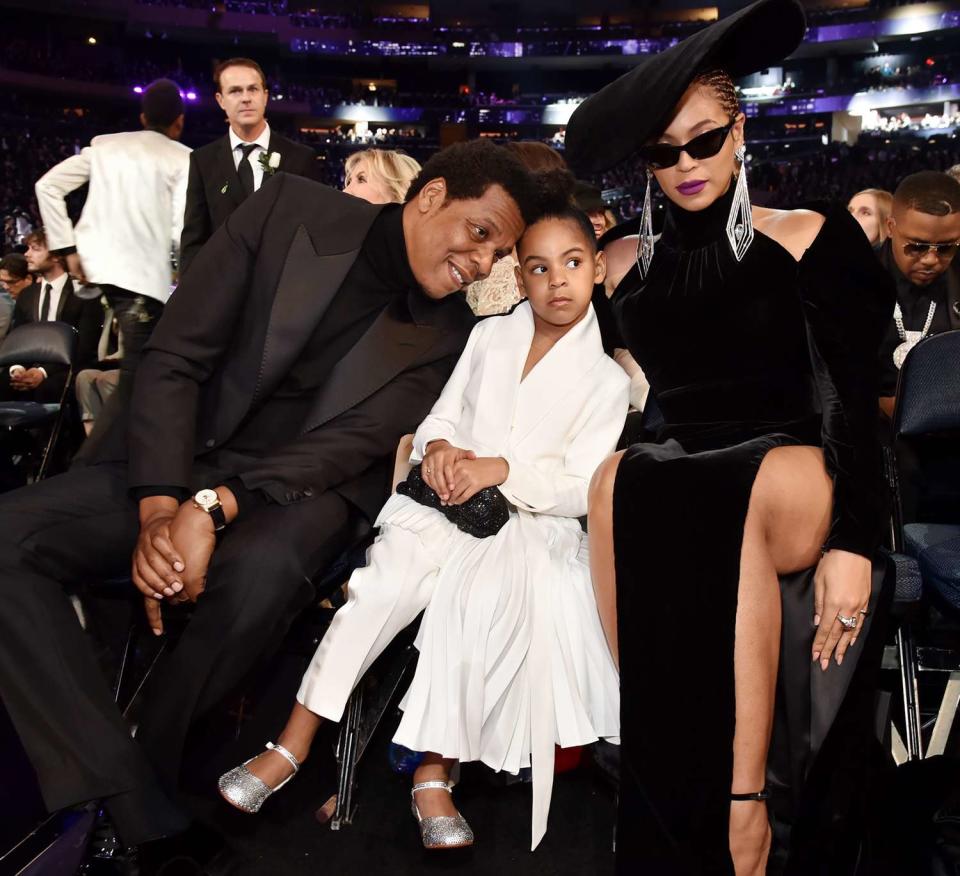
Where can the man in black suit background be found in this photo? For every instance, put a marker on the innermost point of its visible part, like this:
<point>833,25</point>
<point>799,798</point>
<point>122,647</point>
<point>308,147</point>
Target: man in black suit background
<point>227,171</point>
<point>312,332</point>
<point>51,298</point>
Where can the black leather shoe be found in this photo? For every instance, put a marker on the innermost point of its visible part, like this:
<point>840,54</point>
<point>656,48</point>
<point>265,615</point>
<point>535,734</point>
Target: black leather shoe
<point>185,854</point>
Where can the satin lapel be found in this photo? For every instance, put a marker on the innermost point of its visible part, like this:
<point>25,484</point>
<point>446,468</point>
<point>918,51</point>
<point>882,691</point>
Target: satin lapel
<point>227,176</point>
<point>555,377</point>
<point>307,285</point>
<point>388,347</point>
<point>500,369</point>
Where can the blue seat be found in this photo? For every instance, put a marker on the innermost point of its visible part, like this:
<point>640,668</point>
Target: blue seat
<point>23,415</point>
<point>936,547</point>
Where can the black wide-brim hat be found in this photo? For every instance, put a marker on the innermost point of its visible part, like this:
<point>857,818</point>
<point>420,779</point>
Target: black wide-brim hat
<point>610,125</point>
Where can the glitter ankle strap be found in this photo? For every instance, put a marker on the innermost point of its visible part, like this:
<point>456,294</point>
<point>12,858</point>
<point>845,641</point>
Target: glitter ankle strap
<point>279,749</point>
<point>424,786</point>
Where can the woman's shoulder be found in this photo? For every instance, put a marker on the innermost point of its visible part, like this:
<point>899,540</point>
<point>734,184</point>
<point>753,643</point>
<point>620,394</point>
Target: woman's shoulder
<point>794,230</point>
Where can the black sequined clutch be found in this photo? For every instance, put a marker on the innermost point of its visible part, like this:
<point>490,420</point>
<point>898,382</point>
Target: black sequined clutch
<point>481,516</point>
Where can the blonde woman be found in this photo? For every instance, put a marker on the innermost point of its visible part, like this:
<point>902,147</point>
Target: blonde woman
<point>871,208</point>
<point>380,176</point>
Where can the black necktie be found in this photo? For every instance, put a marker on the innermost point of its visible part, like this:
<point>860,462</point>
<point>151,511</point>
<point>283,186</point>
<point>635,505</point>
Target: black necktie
<point>245,169</point>
<point>45,302</point>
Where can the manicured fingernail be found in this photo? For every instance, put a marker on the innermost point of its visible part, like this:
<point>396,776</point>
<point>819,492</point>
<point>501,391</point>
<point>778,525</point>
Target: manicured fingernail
<point>839,659</point>
<point>178,566</point>
<point>158,596</point>
<point>177,586</point>
<point>816,656</point>
<point>816,620</point>
<point>157,632</point>
<point>825,663</point>
<point>167,591</point>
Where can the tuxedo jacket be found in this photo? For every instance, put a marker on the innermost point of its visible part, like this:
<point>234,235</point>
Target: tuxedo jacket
<point>237,324</point>
<point>214,190</point>
<point>84,315</point>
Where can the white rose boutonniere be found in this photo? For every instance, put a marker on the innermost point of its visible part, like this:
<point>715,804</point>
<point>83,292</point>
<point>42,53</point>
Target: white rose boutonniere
<point>269,161</point>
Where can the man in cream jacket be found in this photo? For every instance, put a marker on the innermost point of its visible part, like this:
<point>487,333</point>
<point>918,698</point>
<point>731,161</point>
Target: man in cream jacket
<point>131,222</point>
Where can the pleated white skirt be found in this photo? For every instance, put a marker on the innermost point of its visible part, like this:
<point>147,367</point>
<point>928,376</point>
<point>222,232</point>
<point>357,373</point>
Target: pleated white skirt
<point>512,652</point>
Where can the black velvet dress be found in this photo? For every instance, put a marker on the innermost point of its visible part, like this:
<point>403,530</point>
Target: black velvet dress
<point>742,357</point>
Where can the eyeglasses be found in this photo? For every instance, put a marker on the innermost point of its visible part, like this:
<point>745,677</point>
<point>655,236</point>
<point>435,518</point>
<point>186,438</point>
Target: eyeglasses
<point>917,249</point>
<point>662,155</point>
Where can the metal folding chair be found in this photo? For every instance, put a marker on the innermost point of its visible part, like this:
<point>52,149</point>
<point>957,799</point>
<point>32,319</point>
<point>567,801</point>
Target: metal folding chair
<point>39,343</point>
<point>370,701</point>
<point>925,476</point>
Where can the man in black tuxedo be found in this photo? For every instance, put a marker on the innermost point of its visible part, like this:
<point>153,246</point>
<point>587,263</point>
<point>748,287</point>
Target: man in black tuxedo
<point>51,298</point>
<point>312,332</point>
<point>227,171</point>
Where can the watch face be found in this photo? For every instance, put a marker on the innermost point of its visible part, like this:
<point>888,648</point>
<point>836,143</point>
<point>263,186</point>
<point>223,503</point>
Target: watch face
<point>207,498</point>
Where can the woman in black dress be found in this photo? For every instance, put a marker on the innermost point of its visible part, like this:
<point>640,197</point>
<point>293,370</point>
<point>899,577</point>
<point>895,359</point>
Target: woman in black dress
<point>742,542</point>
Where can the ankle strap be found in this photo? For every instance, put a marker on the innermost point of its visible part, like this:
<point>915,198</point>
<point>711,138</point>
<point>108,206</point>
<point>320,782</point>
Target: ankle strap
<point>279,749</point>
<point>757,796</point>
<point>424,786</point>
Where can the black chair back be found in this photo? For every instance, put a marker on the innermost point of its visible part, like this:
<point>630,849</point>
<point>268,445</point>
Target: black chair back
<point>44,343</point>
<point>926,430</point>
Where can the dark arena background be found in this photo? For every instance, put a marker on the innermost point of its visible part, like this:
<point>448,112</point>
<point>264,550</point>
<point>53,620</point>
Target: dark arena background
<point>871,96</point>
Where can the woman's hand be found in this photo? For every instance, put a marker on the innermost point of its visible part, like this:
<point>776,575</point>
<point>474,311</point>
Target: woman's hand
<point>473,475</point>
<point>438,464</point>
<point>841,587</point>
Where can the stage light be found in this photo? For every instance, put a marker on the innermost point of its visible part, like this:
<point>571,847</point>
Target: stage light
<point>138,89</point>
<point>372,86</point>
<point>191,95</point>
<point>91,41</point>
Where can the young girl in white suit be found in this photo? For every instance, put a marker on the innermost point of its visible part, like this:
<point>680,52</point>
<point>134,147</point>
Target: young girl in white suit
<point>513,658</point>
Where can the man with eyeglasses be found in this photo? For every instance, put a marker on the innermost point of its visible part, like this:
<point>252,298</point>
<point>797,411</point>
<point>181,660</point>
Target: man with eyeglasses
<point>924,229</point>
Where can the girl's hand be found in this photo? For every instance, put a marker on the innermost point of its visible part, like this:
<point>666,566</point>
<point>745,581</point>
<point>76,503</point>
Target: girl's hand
<point>841,587</point>
<point>438,464</point>
<point>473,475</point>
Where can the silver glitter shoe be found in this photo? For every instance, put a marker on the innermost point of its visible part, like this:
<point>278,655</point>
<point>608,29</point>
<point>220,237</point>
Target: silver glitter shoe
<point>441,831</point>
<point>243,789</point>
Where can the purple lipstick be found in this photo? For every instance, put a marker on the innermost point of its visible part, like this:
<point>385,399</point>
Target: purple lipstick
<point>693,187</point>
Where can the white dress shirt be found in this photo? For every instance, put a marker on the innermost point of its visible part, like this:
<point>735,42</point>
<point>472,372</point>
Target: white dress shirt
<point>133,214</point>
<point>56,293</point>
<point>263,144</point>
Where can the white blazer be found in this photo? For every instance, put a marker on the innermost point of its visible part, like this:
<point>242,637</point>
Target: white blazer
<point>133,214</point>
<point>553,429</point>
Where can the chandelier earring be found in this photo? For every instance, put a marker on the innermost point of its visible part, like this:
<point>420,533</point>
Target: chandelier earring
<point>645,241</point>
<point>740,220</point>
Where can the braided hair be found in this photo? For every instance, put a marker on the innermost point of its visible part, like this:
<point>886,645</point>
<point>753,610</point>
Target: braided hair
<point>720,83</point>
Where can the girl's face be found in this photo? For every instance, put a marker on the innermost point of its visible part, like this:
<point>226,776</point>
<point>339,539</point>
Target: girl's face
<point>362,182</point>
<point>558,269</point>
<point>692,183</point>
<point>864,210</point>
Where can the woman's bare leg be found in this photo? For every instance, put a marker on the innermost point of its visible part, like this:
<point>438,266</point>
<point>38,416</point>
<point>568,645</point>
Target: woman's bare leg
<point>602,568</point>
<point>433,801</point>
<point>787,522</point>
<point>297,737</point>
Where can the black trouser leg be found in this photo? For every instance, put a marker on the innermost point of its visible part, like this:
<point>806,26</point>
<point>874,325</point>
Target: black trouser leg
<point>79,527</point>
<point>137,317</point>
<point>260,579</point>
